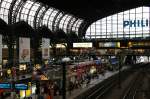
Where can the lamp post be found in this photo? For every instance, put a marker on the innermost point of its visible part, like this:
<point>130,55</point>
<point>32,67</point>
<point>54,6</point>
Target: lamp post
<point>64,62</point>
<point>120,56</point>
<point>119,72</point>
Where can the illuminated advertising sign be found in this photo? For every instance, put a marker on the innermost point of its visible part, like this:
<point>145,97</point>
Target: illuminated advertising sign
<point>28,93</point>
<point>136,23</point>
<point>16,86</point>
<point>22,94</point>
<point>5,86</point>
<point>21,86</point>
<point>139,44</point>
<point>109,44</point>
<point>22,67</point>
<point>82,45</point>
<point>61,45</point>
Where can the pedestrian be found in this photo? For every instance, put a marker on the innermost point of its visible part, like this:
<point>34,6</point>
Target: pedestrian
<point>45,90</point>
<point>56,88</point>
<point>70,87</point>
<point>49,96</point>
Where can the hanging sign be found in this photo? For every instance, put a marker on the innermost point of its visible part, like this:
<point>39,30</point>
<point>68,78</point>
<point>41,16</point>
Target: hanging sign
<point>5,86</point>
<point>1,55</point>
<point>24,49</point>
<point>21,86</point>
<point>1,49</point>
<point>45,48</point>
<point>83,45</point>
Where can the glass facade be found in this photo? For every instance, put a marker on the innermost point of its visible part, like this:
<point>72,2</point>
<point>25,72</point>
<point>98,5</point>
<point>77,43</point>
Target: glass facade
<point>134,23</point>
<point>37,14</point>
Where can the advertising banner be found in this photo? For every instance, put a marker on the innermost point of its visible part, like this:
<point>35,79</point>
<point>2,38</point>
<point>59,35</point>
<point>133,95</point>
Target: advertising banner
<point>45,48</point>
<point>1,55</point>
<point>1,49</point>
<point>109,44</point>
<point>24,49</point>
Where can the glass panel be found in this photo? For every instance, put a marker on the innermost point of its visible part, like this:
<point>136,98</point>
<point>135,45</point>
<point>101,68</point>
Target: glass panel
<point>146,9</point>
<point>132,11</point>
<point>78,25</point>
<point>66,23</point>
<point>26,9</point>
<point>128,25</point>
<point>51,19</point>
<point>5,5</point>
<point>32,13</point>
<point>57,20</point>
<point>139,10</point>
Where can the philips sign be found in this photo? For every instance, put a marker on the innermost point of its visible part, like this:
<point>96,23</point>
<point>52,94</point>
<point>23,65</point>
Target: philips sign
<point>136,23</point>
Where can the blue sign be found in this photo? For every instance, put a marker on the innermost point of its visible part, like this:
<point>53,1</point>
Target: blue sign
<point>113,61</point>
<point>136,23</point>
<point>5,86</point>
<point>21,86</point>
<point>98,62</point>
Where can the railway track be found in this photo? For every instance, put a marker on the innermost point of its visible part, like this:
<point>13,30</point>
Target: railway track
<point>137,88</point>
<point>107,86</point>
<point>102,89</point>
<point>129,93</point>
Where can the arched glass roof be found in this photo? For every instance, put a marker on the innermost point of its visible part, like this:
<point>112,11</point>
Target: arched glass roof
<point>37,14</point>
<point>4,9</point>
<point>133,23</point>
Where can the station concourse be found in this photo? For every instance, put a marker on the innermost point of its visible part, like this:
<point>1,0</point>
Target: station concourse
<point>78,49</point>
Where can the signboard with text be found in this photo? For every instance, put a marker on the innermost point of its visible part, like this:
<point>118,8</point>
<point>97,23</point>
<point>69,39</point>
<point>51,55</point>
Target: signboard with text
<point>5,86</point>
<point>83,45</point>
<point>109,44</point>
<point>18,86</point>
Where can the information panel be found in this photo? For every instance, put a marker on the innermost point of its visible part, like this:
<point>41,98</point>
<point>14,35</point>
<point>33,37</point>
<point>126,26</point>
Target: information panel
<point>5,86</point>
<point>82,45</point>
<point>21,86</point>
<point>109,44</point>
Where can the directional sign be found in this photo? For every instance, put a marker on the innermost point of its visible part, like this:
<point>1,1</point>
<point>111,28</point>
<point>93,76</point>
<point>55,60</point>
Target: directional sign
<point>21,86</point>
<point>5,86</point>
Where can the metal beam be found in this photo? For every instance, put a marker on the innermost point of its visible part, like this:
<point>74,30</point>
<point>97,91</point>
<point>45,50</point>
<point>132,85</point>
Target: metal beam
<point>14,15</point>
<point>54,20</point>
<point>29,11</point>
<point>49,17</point>
<point>64,22</point>
<point>68,25</point>
<point>57,25</point>
<point>36,14</point>
<point>11,11</point>
<point>42,15</point>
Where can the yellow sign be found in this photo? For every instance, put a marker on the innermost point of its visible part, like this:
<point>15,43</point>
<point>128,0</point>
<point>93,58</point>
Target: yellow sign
<point>28,93</point>
<point>22,93</point>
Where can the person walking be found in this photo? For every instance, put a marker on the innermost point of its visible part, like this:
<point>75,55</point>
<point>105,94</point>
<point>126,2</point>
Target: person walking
<point>49,96</point>
<point>70,87</point>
